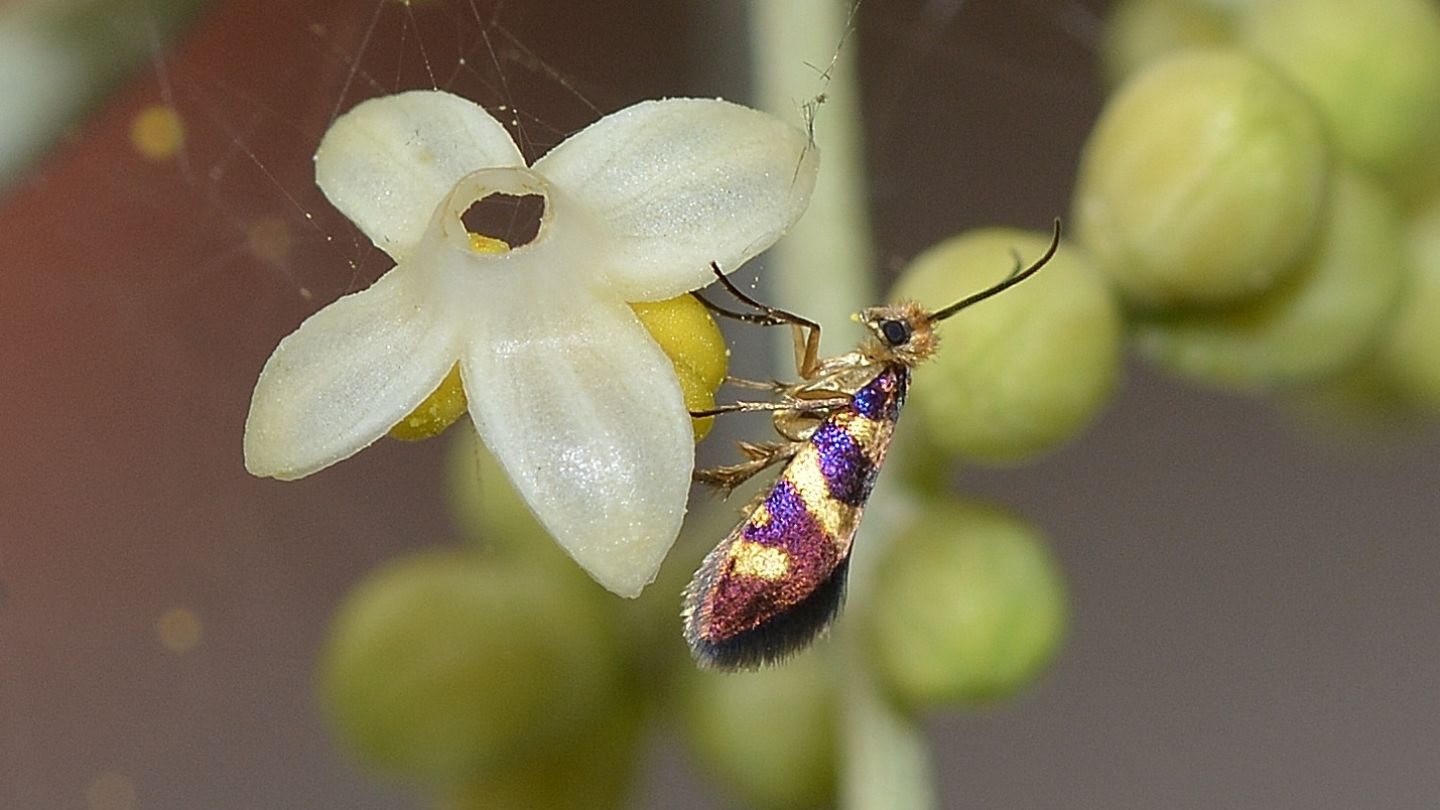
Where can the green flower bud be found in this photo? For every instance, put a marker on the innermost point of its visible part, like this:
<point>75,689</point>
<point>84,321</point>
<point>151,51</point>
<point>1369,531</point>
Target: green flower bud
<point>1373,67</point>
<point>1024,370</point>
<point>1359,408</point>
<point>968,606</point>
<point>1226,7</point>
<point>1138,32</point>
<point>1202,182</point>
<point>916,461</point>
<point>591,771</point>
<point>485,504</point>
<point>770,735</point>
<point>1319,320</point>
<point>1411,353</point>
<point>440,666</point>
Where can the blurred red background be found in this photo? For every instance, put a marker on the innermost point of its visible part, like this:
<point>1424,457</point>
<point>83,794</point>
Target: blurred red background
<point>1254,610</point>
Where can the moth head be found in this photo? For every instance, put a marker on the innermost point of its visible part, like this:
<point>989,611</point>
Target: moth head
<point>903,332</point>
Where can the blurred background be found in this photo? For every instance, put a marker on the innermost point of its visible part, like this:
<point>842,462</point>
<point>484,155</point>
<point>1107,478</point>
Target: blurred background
<point>1253,595</point>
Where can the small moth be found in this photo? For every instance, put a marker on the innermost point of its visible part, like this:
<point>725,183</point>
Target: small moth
<point>778,579</point>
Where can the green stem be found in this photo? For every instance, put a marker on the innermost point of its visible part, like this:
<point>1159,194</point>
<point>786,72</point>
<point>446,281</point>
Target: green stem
<point>823,269</point>
<point>827,258</point>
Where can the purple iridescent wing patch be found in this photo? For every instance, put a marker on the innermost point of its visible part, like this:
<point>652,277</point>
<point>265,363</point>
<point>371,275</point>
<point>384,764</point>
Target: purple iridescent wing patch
<point>779,578</point>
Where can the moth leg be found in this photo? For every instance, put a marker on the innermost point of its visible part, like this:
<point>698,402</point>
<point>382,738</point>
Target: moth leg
<point>747,317</point>
<point>824,398</point>
<point>738,407</point>
<point>757,385</point>
<point>805,332</point>
<point>758,456</point>
<point>807,349</point>
<point>829,403</point>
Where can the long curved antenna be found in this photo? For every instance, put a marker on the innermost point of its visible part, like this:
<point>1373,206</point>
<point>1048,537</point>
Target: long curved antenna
<point>1010,281</point>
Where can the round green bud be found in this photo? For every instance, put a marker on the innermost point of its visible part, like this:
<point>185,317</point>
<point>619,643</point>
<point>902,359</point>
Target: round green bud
<point>1320,319</point>
<point>916,461</point>
<point>441,666</point>
<point>1137,32</point>
<point>1373,68</point>
<point>1202,182</point>
<point>968,606</point>
<point>1020,372</point>
<point>1227,7</point>
<point>486,506</point>
<point>1360,408</point>
<point>1411,352</point>
<point>590,770</point>
<point>771,734</point>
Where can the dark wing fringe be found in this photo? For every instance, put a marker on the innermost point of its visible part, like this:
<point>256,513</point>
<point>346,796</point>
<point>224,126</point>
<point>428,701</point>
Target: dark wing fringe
<point>775,640</point>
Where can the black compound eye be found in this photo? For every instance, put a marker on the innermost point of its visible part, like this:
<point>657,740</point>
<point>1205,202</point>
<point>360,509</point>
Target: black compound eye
<point>896,333</point>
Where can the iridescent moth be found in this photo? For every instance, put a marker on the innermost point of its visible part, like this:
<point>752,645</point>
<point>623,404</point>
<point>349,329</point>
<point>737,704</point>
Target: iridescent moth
<point>778,579</point>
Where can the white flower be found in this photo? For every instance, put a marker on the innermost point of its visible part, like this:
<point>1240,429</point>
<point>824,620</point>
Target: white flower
<point>566,388</point>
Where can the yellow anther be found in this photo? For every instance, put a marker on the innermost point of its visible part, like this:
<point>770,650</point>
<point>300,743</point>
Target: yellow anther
<point>480,243</point>
<point>689,337</point>
<point>439,411</point>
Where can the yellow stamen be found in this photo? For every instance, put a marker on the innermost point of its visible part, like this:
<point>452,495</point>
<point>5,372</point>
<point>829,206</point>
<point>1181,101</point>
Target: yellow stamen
<point>689,337</point>
<point>438,411</point>
<point>480,243</point>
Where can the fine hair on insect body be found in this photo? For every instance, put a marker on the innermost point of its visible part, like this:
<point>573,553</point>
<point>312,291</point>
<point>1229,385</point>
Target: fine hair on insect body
<point>778,579</point>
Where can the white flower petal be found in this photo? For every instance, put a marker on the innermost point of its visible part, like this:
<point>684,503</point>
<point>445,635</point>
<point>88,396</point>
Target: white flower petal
<point>583,410</point>
<point>346,376</point>
<point>388,161</point>
<point>681,183</point>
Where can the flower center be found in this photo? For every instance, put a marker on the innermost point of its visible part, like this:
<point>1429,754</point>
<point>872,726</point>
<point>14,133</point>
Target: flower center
<point>508,204</point>
<point>447,403</point>
<point>512,219</point>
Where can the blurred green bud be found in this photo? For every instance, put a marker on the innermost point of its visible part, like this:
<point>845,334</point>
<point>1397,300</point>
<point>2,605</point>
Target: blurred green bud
<point>1227,7</point>
<point>591,770</point>
<point>1203,180</point>
<point>769,735</point>
<point>1411,353</point>
<point>968,606</point>
<point>441,666</point>
<point>1320,319</point>
<point>1137,32</point>
<point>915,460</point>
<point>486,506</point>
<point>1373,67</point>
<point>1024,370</point>
<point>1359,408</point>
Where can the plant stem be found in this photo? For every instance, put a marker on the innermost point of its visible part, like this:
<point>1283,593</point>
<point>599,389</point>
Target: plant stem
<point>827,257</point>
<point>823,269</point>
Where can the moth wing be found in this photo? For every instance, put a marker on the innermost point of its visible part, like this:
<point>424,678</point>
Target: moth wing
<point>739,622</point>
